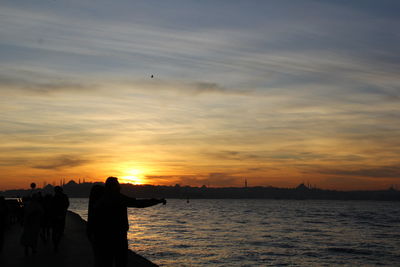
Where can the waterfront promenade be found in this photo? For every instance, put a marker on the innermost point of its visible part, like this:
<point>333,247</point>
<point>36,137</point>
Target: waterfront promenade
<point>74,251</point>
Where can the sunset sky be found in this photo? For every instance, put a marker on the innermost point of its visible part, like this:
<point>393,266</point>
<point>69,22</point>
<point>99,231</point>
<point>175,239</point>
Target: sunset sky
<point>275,92</point>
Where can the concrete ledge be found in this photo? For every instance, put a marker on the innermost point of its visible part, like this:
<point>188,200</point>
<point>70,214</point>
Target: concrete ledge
<point>75,249</point>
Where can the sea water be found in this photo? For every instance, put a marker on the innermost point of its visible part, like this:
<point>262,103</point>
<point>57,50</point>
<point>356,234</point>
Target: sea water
<point>261,232</point>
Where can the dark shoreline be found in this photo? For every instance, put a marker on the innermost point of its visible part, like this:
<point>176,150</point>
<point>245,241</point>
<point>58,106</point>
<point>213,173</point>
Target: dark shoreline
<point>301,192</point>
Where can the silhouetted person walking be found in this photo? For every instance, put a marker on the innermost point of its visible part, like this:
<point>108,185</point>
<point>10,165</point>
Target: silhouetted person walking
<point>96,193</point>
<point>109,222</point>
<point>47,203</point>
<point>3,220</point>
<point>31,226</point>
<point>60,204</point>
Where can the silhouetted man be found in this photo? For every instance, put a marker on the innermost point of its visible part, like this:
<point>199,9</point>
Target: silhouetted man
<point>60,204</point>
<point>110,223</point>
<point>96,193</point>
<point>47,204</point>
<point>3,219</point>
<point>33,212</point>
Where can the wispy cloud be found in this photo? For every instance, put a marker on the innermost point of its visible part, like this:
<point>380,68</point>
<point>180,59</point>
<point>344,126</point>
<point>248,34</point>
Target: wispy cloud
<point>61,162</point>
<point>36,83</point>
<point>371,172</point>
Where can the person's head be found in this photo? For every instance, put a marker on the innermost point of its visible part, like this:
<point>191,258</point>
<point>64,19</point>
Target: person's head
<point>58,190</point>
<point>112,185</point>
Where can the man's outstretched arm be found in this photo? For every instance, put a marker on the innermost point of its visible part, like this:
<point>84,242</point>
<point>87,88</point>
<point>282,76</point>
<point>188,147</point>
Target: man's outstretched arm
<point>142,203</point>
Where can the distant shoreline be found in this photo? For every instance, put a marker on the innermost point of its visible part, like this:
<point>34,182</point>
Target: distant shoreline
<point>301,192</point>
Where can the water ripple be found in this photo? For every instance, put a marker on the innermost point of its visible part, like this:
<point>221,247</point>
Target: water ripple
<point>265,232</point>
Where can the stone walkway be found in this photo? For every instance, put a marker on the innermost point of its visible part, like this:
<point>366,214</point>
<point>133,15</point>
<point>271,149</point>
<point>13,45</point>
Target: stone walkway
<point>74,251</point>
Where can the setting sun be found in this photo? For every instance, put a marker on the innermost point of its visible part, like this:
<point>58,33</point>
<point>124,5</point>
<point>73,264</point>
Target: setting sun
<point>135,177</point>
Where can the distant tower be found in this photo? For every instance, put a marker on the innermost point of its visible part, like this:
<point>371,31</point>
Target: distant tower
<point>245,183</point>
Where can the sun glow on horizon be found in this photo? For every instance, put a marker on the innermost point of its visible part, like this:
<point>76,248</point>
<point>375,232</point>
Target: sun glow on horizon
<point>135,177</point>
